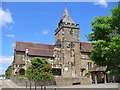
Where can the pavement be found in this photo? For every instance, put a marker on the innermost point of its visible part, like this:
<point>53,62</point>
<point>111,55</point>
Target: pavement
<point>5,83</point>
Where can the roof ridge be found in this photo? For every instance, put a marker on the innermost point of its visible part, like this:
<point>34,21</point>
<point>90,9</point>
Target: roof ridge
<point>39,49</point>
<point>86,42</point>
<point>32,42</point>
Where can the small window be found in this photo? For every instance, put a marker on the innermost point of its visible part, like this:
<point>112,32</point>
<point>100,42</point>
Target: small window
<point>56,71</point>
<point>82,72</point>
<point>15,72</point>
<point>71,32</point>
<point>20,65</point>
<point>71,45</point>
<point>89,65</point>
<point>58,43</point>
<point>22,72</point>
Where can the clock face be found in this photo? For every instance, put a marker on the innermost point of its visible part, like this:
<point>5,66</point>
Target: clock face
<point>66,69</point>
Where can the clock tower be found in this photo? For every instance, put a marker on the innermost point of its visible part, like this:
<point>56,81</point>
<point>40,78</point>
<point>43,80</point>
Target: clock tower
<point>67,47</point>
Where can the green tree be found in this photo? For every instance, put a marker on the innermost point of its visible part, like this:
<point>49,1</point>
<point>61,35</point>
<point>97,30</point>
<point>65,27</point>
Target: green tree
<point>8,73</point>
<point>39,69</point>
<point>106,41</point>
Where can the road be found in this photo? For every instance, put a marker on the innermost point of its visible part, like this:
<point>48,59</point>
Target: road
<point>108,86</point>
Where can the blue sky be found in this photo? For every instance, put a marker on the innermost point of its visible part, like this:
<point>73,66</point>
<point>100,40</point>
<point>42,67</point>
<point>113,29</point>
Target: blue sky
<point>36,22</point>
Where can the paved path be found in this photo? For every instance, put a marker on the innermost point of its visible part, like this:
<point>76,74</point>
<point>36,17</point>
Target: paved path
<point>7,84</point>
<point>107,85</point>
<point>10,84</point>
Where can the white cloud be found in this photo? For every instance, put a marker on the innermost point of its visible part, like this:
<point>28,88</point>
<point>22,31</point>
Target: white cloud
<point>1,68</point>
<point>5,17</point>
<point>45,32</point>
<point>102,3</point>
<point>10,35</point>
<point>6,59</point>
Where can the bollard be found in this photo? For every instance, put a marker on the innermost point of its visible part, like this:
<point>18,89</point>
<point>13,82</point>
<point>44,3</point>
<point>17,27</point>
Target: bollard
<point>30,85</point>
<point>41,87</point>
<point>118,86</point>
<point>44,88</point>
<point>26,84</point>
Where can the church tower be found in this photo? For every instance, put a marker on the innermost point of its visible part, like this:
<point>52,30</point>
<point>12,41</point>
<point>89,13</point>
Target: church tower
<point>67,48</point>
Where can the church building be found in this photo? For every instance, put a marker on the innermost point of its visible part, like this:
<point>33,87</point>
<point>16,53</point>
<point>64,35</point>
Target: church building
<point>68,56</point>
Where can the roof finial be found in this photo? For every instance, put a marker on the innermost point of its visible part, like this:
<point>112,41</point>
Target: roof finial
<point>66,18</point>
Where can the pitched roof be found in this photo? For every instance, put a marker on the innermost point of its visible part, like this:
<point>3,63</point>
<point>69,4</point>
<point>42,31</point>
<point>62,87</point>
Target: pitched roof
<point>95,68</point>
<point>86,46</point>
<point>35,49</point>
<point>42,53</point>
<point>45,50</point>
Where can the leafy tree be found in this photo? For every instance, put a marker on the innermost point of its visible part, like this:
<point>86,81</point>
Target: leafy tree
<point>107,54</point>
<point>8,72</point>
<point>39,69</point>
<point>106,27</point>
<point>101,29</point>
<point>116,18</point>
<point>106,41</point>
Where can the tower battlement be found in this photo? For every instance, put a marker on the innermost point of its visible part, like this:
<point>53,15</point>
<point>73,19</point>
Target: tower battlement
<point>67,25</point>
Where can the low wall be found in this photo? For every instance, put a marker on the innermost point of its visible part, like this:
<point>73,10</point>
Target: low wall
<point>66,81</point>
<point>85,81</point>
<point>72,81</point>
<point>23,82</point>
<point>57,81</point>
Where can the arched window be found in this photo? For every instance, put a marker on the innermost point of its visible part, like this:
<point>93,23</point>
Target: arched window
<point>22,71</point>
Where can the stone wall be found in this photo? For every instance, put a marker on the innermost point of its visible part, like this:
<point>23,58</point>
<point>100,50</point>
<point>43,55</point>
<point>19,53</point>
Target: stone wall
<point>56,81</point>
<point>66,81</point>
<point>23,82</point>
<point>85,81</point>
<point>72,81</point>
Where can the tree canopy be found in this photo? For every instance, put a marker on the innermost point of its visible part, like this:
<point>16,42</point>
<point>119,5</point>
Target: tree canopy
<point>39,69</point>
<point>8,72</point>
<point>106,41</point>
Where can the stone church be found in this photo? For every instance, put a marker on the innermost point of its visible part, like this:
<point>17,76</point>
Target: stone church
<point>68,56</point>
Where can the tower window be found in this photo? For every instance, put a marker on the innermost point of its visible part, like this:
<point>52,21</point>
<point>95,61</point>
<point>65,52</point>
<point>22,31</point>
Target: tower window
<point>71,45</point>
<point>71,32</point>
<point>58,43</point>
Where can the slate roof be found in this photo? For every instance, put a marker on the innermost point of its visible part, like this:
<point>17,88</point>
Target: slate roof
<point>35,49</point>
<point>45,50</point>
<point>21,46</point>
<point>86,46</point>
<point>42,53</point>
<point>95,68</point>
